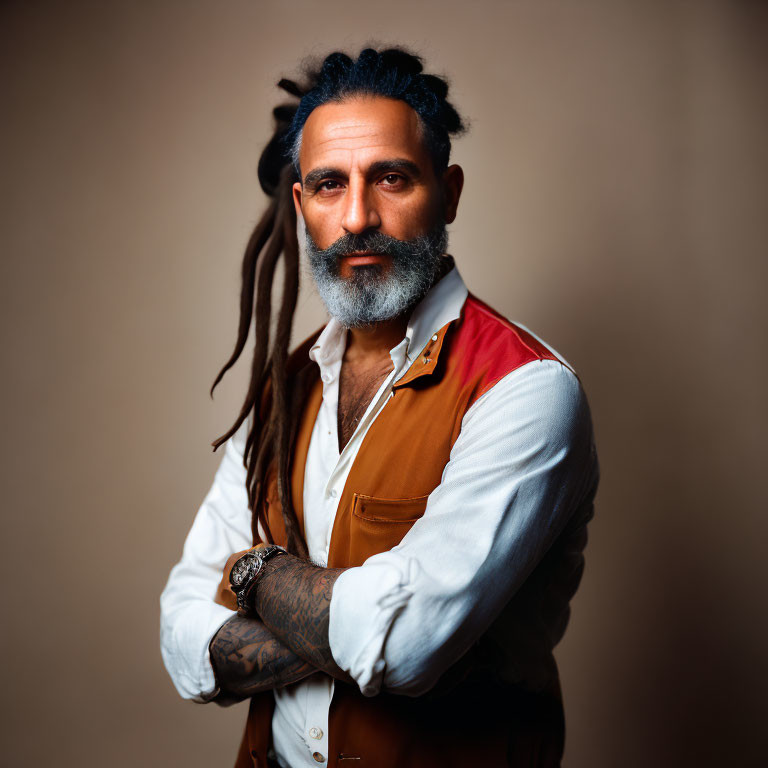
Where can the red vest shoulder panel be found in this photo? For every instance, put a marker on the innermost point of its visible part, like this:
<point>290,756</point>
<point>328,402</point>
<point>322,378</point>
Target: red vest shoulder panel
<point>487,347</point>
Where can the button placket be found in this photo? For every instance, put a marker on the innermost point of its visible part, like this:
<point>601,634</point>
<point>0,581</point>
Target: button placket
<point>316,722</point>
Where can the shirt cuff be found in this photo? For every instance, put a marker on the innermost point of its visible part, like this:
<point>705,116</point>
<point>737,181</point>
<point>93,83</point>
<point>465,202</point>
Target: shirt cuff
<point>358,629</point>
<point>187,656</point>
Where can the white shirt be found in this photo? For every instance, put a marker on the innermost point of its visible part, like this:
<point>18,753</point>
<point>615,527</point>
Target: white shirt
<point>522,468</point>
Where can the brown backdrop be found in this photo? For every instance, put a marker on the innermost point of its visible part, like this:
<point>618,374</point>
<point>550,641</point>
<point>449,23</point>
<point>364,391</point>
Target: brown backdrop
<point>615,203</point>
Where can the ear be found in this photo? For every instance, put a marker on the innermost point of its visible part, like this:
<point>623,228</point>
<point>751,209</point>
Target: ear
<point>453,183</point>
<point>297,198</point>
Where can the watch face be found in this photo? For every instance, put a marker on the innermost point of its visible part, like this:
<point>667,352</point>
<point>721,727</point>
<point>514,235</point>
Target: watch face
<point>241,570</point>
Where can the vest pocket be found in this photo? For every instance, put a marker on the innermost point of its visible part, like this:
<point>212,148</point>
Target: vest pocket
<point>377,525</point>
<point>375,510</point>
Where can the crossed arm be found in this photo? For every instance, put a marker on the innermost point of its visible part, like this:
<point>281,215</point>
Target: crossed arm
<point>521,468</point>
<point>289,640</point>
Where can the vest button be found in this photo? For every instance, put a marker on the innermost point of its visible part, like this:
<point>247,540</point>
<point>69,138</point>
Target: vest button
<point>318,757</point>
<point>316,733</point>
<point>434,338</point>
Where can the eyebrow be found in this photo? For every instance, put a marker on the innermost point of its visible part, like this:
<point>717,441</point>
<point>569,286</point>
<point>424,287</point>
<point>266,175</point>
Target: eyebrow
<point>380,166</point>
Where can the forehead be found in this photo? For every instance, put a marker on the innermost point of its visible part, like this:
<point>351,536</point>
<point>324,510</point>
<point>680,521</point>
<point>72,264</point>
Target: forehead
<point>361,129</point>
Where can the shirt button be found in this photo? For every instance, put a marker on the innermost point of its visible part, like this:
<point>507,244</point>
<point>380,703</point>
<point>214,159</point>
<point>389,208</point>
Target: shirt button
<point>327,378</point>
<point>318,757</point>
<point>315,733</point>
<point>334,493</point>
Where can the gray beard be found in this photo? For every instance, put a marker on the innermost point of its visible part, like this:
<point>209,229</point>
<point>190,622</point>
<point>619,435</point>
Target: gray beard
<point>374,294</point>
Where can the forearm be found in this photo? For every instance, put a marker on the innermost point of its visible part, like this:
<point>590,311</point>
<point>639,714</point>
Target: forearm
<point>247,659</point>
<point>293,599</point>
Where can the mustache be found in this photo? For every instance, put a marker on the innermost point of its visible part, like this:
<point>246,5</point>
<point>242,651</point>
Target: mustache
<point>375,242</point>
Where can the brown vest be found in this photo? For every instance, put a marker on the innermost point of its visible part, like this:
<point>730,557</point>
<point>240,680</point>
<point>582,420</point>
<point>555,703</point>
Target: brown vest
<point>472,717</point>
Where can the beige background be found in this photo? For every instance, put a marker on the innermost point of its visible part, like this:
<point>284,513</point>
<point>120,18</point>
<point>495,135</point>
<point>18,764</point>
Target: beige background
<point>615,203</point>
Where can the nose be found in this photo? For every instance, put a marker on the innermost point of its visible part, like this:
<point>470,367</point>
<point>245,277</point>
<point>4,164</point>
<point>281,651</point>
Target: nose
<point>360,212</point>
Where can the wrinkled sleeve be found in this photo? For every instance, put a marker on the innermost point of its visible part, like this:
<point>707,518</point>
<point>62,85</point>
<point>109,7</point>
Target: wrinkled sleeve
<point>523,462</point>
<point>189,617</point>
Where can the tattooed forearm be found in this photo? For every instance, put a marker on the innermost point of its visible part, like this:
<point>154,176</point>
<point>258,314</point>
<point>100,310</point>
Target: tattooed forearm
<point>293,600</point>
<point>247,659</point>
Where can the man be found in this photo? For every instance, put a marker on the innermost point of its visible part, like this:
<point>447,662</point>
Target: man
<point>427,465</point>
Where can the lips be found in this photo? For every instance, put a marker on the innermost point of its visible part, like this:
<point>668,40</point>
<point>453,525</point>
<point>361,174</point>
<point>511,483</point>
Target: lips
<point>358,259</point>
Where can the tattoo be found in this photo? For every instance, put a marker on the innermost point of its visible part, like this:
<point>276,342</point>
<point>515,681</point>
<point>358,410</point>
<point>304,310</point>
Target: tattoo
<point>247,659</point>
<point>293,599</point>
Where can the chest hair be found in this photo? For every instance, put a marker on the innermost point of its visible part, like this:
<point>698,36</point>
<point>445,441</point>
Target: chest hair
<point>357,386</point>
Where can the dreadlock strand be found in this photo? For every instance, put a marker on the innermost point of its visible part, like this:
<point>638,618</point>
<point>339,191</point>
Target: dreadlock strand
<point>255,483</point>
<point>259,367</point>
<point>256,243</point>
<point>261,341</point>
<point>283,386</point>
<point>259,447</point>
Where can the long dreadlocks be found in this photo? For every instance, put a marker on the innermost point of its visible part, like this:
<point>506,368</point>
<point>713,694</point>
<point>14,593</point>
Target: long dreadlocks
<point>275,398</point>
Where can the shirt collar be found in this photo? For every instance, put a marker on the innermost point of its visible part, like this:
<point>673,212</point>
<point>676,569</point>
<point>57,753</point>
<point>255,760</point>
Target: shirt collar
<point>441,305</point>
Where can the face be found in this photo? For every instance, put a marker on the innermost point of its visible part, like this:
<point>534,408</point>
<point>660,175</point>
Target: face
<point>374,209</point>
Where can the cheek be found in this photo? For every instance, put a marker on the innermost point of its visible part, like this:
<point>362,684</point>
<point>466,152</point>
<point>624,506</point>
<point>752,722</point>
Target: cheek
<point>321,228</point>
<point>415,216</point>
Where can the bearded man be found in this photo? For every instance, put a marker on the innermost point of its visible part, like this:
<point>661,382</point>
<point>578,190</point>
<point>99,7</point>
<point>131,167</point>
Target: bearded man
<point>385,560</point>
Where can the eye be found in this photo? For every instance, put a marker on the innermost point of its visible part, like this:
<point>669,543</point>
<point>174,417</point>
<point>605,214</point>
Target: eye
<point>392,180</point>
<point>329,185</point>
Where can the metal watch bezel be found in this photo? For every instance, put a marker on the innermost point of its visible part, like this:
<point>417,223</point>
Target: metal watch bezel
<point>245,572</point>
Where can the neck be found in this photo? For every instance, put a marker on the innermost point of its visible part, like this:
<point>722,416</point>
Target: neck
<point>375,340</point>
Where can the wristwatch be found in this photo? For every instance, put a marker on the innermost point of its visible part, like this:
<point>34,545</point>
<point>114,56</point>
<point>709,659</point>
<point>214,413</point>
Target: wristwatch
<point>245,573</point>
